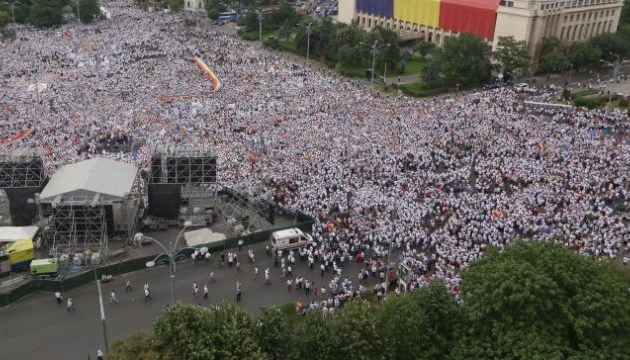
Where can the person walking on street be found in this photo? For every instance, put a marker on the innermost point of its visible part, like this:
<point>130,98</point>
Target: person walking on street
<point>71,305</point>
<point>238,291</point>
<point>240,244</point>
<point>205,291</point>
<point>238,266</point>
<point>112,298</point>
<point>147,294</point>
<point>99,354</point>
<point>58,297</point>
<point>255,272</point>
<point>195,289</point>
<point>128,286</point>
<point>212,280</point>
<point>267,277</point>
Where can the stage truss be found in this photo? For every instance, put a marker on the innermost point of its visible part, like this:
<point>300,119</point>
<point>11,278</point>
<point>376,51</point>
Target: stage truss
<point>172,165</point>
<point>78,224</point>
<point>247,206</point>
<point>22,168</point>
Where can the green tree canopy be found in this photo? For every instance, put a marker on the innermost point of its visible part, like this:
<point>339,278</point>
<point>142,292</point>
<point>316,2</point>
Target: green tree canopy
<point>356,332</point>
<point>88,9</point>
<point>224,332</point>
<point>611,44</point>
<point>424,48</point>
<point>5,18</point>
<point>584,54</point>
<point>139,346</point>
<point>419,325</point>
<point>274,330</point>
<point>465,60</point>
<point>510,56</point>
<point>541,301</point>
<point>45,13</point>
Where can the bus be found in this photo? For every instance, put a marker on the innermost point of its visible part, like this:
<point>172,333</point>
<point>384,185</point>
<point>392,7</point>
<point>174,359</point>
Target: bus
<point>229,16</point>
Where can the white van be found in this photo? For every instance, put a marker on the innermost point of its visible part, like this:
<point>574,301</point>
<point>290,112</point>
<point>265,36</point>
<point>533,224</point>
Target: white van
<point>289,239</point>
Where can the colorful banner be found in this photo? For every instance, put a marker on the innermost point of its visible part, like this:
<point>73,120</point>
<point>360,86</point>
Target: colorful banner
<point>216,82</point>
<point>19,136</point>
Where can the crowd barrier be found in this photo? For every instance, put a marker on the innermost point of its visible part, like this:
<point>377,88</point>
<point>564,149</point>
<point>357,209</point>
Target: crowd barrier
<point>70,282</point>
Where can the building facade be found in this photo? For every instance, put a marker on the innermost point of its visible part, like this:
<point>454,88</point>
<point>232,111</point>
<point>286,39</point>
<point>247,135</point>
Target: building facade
<point>195,5</point>
<point>528,20</point>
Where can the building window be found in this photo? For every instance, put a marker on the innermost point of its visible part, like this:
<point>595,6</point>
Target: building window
<point>562,32</point>
<point>609,26</point>
<point>580,33</point>
<point>430,36</point>
<point>188,4</point>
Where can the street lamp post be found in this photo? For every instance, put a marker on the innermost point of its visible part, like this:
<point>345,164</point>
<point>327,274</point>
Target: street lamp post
<point>259,26</point>
<point>616,68</point>
<point>78,11</point>
<point>172,255</point>
<point>308,42</point>
<point>393,217</point>
<point>570,73</point>
<point>374,51</point>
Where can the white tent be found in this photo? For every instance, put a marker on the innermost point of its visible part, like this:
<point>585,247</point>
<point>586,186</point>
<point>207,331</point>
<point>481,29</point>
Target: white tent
<point>111,179</point>
<point>15,233</point>
<point>203,236</point>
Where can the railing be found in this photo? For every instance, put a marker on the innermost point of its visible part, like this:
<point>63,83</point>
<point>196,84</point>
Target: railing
<point>304,223</point>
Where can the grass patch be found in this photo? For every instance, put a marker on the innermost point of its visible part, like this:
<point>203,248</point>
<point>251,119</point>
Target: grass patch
<point>415,65</point>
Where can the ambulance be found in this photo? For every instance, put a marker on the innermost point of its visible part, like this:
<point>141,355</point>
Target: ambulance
<point>289,239</point>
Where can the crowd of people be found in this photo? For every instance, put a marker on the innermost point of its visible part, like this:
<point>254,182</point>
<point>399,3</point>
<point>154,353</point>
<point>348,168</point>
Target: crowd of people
<point>439,180</point>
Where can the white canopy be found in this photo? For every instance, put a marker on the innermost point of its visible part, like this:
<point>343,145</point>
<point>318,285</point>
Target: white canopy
<point>111,179</point>
<point>203,236</point>
<point>15,233</point>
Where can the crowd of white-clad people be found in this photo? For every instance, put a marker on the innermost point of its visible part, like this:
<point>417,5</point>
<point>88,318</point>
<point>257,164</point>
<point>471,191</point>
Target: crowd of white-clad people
<point>442,178</point>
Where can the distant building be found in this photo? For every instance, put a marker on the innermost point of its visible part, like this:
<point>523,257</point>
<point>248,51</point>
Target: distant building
<point>528,20</point>
<point>195,5</point>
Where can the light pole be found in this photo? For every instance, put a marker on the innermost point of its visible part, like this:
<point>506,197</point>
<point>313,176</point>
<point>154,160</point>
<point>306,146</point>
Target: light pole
<point>393,216</point>
<point>12,11</point>
<point>259,26</point>
<point>308,42</point>
<point>172,255</point>
<point>373,60</point>
<point>78,11</point>
<point>100,304</point>
<point>374,51</point>
<point>570,73</point>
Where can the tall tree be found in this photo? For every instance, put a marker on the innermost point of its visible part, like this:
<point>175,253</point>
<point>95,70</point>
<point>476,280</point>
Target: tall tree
<point>424,48</point>
<point>314,334</point>
<point>584,54</point>
<point>45,13</point>
<point>611,44</point>
<point>544,301</point>
<point>5,18</point>
<point>511,55</point>
<point>274,331</point>
<point>88,9</point>
<point>466,60</point>
<point>139,346</point>
<point>356,334</point>
<point>419,325</point>
<point>224,332</point>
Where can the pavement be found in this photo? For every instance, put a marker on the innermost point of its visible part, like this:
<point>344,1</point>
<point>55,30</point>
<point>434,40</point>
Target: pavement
<point>37,327</point>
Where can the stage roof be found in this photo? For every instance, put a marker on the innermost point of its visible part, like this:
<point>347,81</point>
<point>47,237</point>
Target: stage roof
<point>111,179</point>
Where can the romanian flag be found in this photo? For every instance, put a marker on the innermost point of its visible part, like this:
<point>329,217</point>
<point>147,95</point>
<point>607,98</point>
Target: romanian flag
<point>19,136</point>
<point>216,82</point>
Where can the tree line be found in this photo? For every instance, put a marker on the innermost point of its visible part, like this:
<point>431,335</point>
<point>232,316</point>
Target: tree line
<point>532,301</point>
<point>47,13</point>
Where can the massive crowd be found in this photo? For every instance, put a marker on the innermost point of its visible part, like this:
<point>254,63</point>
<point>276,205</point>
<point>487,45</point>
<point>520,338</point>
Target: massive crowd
<point>441,178</point>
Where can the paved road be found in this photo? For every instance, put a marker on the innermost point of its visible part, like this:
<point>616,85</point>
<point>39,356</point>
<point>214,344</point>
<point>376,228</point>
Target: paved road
<point>37,327</point>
